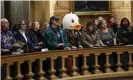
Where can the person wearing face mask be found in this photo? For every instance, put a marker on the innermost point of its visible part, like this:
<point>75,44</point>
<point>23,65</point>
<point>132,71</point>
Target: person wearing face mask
<point>107,36</point>
<point>89,36</point>
<point>125,36</point>
<point>125,32</point>
<point>7,38</point>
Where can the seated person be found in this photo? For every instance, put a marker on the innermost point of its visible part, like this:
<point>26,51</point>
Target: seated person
<point>130,28</point>
<point>107,36</point>
<point>23,36</point>
<point>74,38</point>
<point>112,24</point>
<point>45,25</point>
<point>55,37</point>
<point>125,32</point>
<point>7,38</point>
<point>89,36</point>
<point>100,18</point>
<point>95,21</point>
<point>36,36</point>
<point>14,29</point>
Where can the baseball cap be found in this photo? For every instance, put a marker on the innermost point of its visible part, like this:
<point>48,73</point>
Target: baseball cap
<point>53,18</point>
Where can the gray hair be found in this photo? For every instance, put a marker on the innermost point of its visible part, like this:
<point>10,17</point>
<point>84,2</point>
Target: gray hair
<point>3,20</point>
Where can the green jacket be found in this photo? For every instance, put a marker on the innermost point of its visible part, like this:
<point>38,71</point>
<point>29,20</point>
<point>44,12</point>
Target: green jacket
<point>52,38</point>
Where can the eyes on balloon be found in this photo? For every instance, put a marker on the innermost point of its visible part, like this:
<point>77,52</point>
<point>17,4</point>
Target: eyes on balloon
<point>72,21</point>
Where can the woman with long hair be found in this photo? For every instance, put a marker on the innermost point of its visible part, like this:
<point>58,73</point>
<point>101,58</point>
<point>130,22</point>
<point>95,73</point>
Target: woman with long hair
<point>89,36</point>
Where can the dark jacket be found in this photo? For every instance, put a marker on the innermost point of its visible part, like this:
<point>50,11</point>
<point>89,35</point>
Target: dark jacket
<point>113,27</point>
<point>7,39</point>
<point>90,39</point>
<point>74,37</point>
<point>36,37</point>
<point>52,38</point>
<point>19,37</point>
<point>131,36</point>
<point>125,36</point>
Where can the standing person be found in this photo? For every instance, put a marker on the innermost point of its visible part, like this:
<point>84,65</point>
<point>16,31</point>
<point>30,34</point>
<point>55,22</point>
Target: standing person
<point>55,37</point>
<point>7,38</point>
<point>107,36</point>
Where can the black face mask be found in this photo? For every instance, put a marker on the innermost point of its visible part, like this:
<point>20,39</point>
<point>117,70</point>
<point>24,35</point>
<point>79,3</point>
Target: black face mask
<point>125,26</point>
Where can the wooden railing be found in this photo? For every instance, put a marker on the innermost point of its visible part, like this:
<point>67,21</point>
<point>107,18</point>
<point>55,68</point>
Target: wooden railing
<point>69,69</point>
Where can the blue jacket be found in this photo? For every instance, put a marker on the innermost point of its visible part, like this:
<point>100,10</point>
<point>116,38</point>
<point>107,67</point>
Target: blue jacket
<point>19,37</point>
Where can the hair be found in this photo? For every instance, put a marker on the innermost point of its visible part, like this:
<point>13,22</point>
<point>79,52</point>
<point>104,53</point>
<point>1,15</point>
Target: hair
<point>50,22</point>
<point>33,23</point>
<point>45,24</point>
<point>15,27</point>
<point>89,23</point>
<point>100,23</point>
<point>94,19</point>
<point>3,20</point>
<point>110,18</point>
<point>19,23</point>
<point>122,20</point>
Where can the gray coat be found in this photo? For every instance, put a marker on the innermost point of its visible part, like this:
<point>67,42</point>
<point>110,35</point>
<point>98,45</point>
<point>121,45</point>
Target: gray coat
<point>90,39</point>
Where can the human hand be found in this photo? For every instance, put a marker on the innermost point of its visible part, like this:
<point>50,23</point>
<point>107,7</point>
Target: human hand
<point>38,47</point>
<point>104,45</point>
<point>91,45</point>
<point>40,43</point>
<point>81,47</point>
<point>60,45</point>
<point>74,47</point>
<point>4,50</point>
<point>67,48</point>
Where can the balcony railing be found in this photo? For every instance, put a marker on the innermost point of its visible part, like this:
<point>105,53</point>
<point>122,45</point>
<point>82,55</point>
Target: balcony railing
<point>74,64</point>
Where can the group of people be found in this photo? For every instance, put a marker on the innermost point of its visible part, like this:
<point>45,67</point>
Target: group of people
<point>96,33</point>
